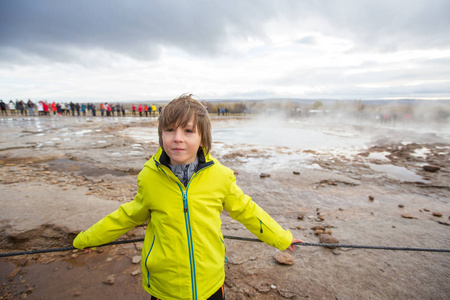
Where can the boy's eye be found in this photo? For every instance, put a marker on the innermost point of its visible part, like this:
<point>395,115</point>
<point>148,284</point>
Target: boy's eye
<point>189,130</point>
<point>169,130</point>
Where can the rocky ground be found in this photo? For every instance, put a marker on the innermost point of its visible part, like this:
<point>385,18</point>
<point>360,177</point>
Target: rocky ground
<point>58,177</point>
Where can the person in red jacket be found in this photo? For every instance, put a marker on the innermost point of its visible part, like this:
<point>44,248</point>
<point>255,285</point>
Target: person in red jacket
<point>54,108</point>
<point>45,107</point>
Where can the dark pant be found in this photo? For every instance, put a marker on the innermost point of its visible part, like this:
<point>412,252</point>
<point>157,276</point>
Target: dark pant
<point>219,295</point>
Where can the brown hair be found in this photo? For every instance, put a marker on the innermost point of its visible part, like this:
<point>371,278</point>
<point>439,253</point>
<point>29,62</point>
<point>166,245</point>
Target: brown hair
<point>179,111</point>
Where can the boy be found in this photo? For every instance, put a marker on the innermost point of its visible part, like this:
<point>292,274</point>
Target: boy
<point>182,191</point>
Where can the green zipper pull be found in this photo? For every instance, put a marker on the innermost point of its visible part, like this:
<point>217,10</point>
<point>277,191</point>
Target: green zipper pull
<point>185,203</point>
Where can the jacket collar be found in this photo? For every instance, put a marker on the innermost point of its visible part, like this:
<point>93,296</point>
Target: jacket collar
<point>162,158</point>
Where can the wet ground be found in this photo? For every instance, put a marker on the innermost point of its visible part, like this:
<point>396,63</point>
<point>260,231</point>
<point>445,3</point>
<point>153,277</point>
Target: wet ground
<point>365,183</point>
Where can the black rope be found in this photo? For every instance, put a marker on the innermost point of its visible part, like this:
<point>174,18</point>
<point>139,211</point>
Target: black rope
<point>241,239</point>
<point>66,248</point>
<point>346,246</point>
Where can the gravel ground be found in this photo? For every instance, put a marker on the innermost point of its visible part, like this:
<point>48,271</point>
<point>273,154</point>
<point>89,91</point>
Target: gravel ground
<point>58,176</point>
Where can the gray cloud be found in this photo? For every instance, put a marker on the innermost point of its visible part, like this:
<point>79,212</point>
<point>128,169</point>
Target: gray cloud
<point>133,28</point>
<point>229,45</point>
<point>53,29</point>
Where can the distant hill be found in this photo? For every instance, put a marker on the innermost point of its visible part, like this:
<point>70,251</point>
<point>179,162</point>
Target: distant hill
<point>332,101</point>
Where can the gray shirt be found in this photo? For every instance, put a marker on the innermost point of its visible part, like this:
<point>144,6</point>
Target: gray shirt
<point>185,172</point>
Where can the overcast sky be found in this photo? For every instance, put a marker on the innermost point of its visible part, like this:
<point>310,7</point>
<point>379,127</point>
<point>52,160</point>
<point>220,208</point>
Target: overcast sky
<point>156,50</point>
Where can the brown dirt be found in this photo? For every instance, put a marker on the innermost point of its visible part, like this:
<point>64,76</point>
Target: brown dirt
<point>52,188</point>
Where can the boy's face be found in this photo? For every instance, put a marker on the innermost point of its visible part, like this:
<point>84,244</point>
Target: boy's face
<point>181,143</point>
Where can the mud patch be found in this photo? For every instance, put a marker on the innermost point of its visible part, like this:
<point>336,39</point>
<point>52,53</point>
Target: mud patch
<point>82,168</point>
<point>42,237</point>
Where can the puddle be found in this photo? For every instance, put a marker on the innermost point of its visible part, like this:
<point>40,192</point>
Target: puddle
<point>81,168</point>
<point>399,173</point>
<point>287,137</point>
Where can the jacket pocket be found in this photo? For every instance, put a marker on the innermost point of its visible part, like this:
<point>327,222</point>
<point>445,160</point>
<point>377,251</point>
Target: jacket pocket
<point>224,251</point>
<point>264,222</point>
<point>146,261</point>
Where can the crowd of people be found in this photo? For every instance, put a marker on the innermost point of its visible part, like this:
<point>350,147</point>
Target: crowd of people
<point>44,108</point>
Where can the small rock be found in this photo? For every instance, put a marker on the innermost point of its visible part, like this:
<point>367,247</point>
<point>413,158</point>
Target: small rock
<point>318,232</point>
<point>407,216</point>
<point>327,239</point>
<point>136,259</point>
<point>88,193</point>
<point>264,175</point>
<point>272,286</point>
<point>300,216</point>
<point>426,209</point>
<point>109,280</point>
<point>286,294</point>
<point>328,231</point>
<point>138,246</point>
<point>401,206</point>
<point>437,214</point>
<point>236,172</point>
<point>77,294</point>
<point>431,168</point>
<point>299,227</point>
<point>14,273</point>
<point>321,217</point>
<point>296,172</point>
<point>137,272</point>
<point>318,227</point>
<point>341,209</point>
<point>263,288</point>
<point>371,198</point>
<point>284,258</point>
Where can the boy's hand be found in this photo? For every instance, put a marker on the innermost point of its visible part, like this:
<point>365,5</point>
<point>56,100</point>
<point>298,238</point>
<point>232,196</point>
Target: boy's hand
<point>294,240</point>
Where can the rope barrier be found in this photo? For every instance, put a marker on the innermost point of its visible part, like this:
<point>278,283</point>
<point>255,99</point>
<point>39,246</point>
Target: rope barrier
<point>346,246</point>
<point>241,239</point>
<point>66,248</point>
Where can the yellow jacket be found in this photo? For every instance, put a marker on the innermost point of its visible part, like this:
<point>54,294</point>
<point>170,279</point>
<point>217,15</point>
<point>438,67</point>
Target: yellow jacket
<point>183,252</point>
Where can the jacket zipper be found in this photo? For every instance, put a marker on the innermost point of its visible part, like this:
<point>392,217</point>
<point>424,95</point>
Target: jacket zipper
<point>189,233</point>
<point>187,222</point>
<point>146,259</point>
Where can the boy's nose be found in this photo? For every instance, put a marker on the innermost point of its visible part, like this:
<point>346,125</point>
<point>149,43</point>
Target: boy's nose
<point>178,135</point>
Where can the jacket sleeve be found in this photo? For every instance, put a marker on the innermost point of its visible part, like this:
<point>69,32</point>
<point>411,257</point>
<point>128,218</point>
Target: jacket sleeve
<point>242,208</point>
<point>128,216</point>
